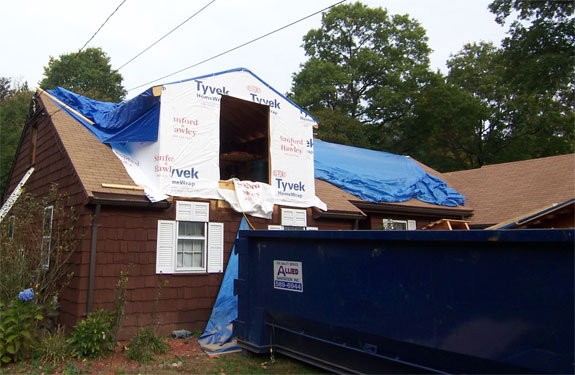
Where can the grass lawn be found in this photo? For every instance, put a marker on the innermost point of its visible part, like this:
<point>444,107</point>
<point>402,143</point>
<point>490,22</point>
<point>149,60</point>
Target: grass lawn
<point>185,357</point>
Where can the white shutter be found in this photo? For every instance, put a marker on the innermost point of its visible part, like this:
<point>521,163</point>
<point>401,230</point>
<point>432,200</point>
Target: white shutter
<point>294,218</point>
<point>300,218</point>
<point>215,247</point>
<point>411,225</point>
<point>287,216</point>
<point>192,211</point>
<point>166,246</point>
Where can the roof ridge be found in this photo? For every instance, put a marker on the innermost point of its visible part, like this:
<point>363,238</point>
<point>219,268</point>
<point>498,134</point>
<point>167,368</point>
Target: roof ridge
<point>510,163</point>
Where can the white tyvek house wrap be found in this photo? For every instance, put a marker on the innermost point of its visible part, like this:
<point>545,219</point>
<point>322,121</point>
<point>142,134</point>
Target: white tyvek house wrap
<point>185,159</point>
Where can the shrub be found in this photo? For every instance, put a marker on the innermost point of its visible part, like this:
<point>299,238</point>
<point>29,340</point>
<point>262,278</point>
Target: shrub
<point>146,344</point>
<point>93,336</point>
<point>119,302</point>
<point>53,348</point>
<point>22,260</point>
<point>18,327</point>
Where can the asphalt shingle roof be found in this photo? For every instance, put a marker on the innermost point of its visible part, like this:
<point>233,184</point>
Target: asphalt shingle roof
<point>500,192</point>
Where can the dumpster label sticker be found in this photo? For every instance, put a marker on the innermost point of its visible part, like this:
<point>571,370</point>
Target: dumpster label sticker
<point>288,275</point>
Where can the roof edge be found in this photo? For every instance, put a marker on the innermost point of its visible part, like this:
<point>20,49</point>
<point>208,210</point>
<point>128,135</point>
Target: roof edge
<point>394,208</point>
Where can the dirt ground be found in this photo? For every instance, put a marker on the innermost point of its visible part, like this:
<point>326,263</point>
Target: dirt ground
<point>184,357</point>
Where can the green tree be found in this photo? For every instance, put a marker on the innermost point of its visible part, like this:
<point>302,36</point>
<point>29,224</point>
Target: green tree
<point>477,116</point>
<point>446,129</point>
<point>539,48</point>
<point>14,104</point>
<point>540,43</point>
<point>88,73</point>
<point>366,67</point>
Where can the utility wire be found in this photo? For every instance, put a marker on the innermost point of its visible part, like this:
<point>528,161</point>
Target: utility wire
<point>85,44</point>
<point>171,31</point>
<point>237,47</point>
<point>97,31</point>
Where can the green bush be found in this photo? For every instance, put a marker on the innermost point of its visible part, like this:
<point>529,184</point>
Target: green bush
<point>18,327</point>
<point>53,348</point>
<point>146,344</point>
<point>22,263</point>
<point>93,336</point>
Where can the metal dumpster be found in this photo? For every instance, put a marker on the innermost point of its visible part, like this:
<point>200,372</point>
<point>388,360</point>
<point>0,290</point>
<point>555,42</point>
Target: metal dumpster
<point>410,301</point>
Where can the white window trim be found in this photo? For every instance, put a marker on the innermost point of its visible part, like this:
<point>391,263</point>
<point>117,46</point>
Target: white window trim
<point>46,236</point>
<point>409,224</point>
<point>204,248</point>
<point>281,227</point>
<point>167,240</point>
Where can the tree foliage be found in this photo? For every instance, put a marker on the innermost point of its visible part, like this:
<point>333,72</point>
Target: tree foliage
<point>365,66</point>
<point>14,102</point>
<point>88,73</point>
<point>540,44</point>
<point>368,82</point>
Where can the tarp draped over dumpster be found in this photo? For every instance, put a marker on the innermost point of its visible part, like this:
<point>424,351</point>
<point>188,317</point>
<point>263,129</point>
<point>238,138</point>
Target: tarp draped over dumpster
<point>377,176</point>
<point>217,337</point>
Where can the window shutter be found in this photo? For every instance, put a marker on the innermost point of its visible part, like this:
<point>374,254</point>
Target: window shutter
<point>287,216</point>
<point>411,225</point>
<point>300,218</point>
<point>192,211</point>
<point>215,247</point>
<point>166,246</point>
<point>294,218</point>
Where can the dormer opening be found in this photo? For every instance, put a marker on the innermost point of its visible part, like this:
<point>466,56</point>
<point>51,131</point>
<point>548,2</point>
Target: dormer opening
<point>244,140</point>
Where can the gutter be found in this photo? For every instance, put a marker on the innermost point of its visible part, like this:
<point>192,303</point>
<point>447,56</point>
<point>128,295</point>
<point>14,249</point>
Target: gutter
<point>454,213</point>
<point>337,215</point>
<point>128,202</point>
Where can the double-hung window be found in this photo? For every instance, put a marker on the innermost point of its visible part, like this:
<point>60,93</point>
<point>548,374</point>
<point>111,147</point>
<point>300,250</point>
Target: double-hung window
<point>191,246</point>
<point>191,243</point>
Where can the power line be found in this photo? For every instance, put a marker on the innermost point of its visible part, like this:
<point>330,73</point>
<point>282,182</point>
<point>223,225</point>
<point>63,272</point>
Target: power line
<point>171,31</point>
<point>237,47</point>
<point>89,40</point>
<point>97,31</point>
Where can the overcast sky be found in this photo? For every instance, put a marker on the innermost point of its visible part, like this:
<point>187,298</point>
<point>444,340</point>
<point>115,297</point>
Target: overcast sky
<point>31,31</point>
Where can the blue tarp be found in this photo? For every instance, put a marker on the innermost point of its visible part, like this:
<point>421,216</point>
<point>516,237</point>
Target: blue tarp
<point>133,121</point>
<point>216,338</point>
<point>373,176</point>
<point>376,176</point>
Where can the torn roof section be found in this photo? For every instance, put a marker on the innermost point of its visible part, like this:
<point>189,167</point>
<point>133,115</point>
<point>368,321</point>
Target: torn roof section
<point>372,176</point>
<point>136,120</point>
